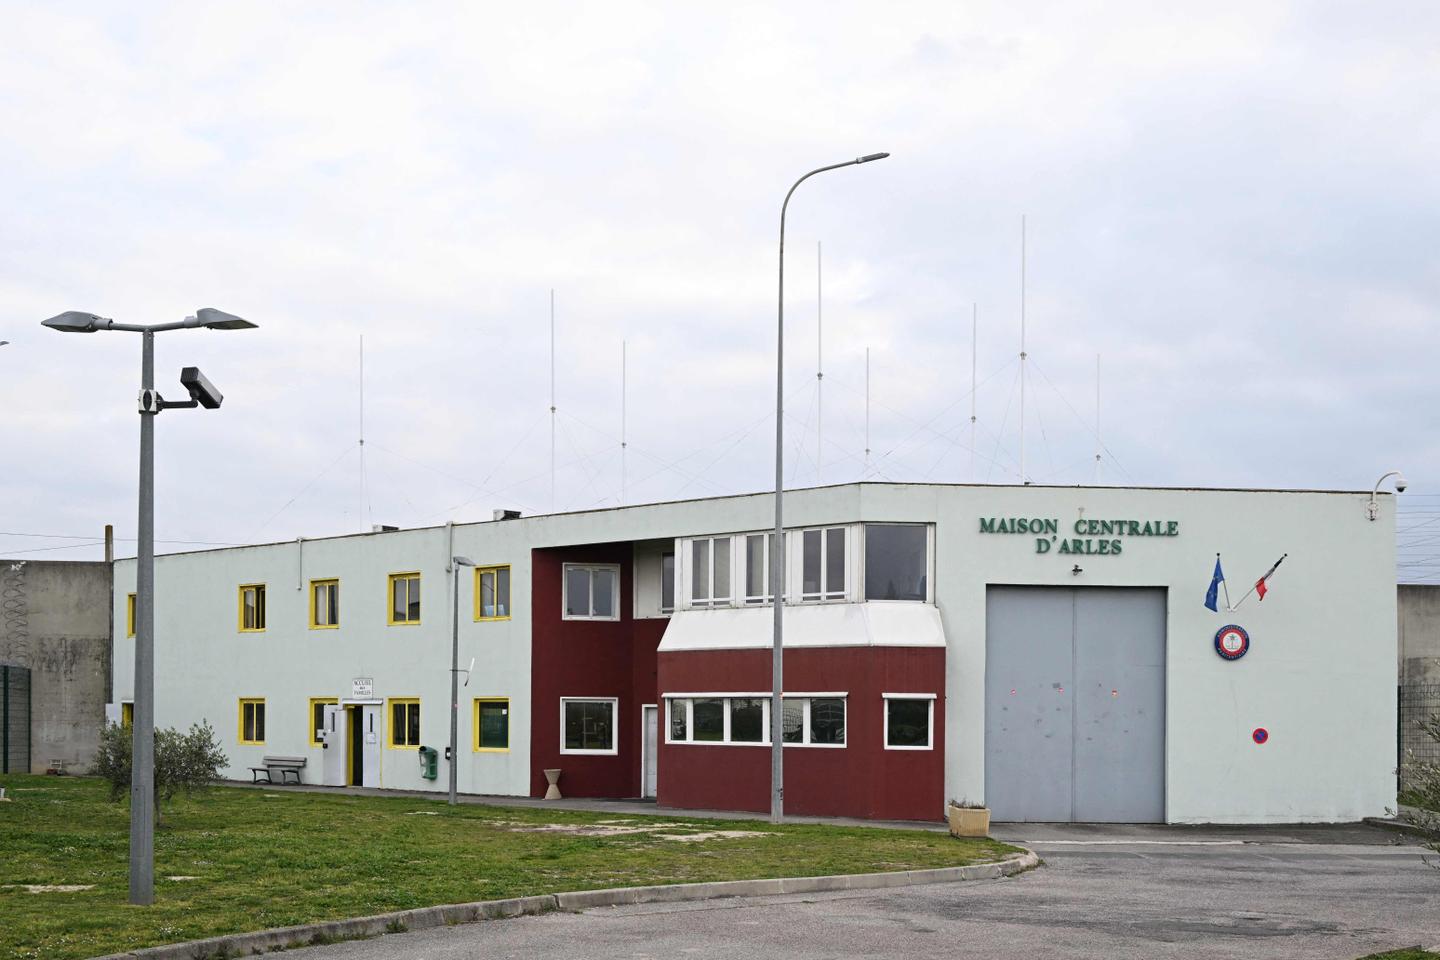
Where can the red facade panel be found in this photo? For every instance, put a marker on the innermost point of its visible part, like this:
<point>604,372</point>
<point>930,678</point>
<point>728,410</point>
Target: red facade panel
<point>863,779</point>
<point>588,658</point>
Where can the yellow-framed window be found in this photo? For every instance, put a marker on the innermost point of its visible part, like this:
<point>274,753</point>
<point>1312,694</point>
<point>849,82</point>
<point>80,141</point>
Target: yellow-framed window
<point>127,714</point>
<point>404,598</point>
<point>317,718</point>
<point>252,720</point>
<point>492,724</point>
<point>130,615</point>
<point>252,607</point>
<point>492,592</point>
<point>324,604</point>
<point>404,723</point>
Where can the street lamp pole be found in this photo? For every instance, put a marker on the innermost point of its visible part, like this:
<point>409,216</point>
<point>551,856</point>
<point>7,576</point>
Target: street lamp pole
<point>777,543</point>
<point>455,564</point>
<point>202,394</point>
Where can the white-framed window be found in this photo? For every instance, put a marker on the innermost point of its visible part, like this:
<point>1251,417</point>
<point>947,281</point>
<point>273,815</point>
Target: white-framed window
<point>757,568</point>
<point>592,591</point>
<point>909,721</point>
<point>711,571</point>
<point>667,582</point>
<point>726,718</point>
<point>823,562</point>
<point>587,725</point>
<point>814,720</point>
<point>897,561</point>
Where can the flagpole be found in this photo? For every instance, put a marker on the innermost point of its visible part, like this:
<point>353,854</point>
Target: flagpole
<point>1260,581</point>
<point>1224,583</point>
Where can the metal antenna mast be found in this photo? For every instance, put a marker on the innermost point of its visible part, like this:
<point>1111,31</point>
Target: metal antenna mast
<point>362,433</point>
<point>1097,418</point>
<point>974,327</point>
<point>819,372</point>
<point>865,474</point>
<point>623,350</point>
<point>1023,478</point>
<point>552,399</point>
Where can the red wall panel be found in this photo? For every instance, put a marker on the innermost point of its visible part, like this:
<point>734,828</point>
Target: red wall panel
<point>861,780</point>
<point>588,658</point>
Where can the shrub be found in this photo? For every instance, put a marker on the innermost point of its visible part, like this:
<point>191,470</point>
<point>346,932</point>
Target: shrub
<point>1422,778</point>
<point>184,762</point>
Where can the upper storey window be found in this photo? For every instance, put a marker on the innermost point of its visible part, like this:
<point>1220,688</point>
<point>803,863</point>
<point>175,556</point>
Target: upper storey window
<point>592,591</point>
<point>897,561</point>
<point>710,572</point>
<point>822,564</point>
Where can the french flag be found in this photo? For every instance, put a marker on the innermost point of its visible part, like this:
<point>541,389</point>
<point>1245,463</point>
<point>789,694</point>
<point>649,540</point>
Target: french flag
<point>1260,587</point>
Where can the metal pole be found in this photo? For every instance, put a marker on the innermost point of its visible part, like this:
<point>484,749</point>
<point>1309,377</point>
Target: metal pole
<point>454,674</point>
<point>777,546</point>
<point>819,368</point>
<point>142,778</point>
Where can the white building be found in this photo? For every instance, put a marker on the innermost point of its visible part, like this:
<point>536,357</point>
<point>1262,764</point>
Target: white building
<point>1044,649</point>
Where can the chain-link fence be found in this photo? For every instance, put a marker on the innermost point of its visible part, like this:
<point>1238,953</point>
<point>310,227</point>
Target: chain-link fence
<point>1418,700</point>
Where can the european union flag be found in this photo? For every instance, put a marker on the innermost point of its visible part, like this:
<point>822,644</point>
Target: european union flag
<point>1212,595</point>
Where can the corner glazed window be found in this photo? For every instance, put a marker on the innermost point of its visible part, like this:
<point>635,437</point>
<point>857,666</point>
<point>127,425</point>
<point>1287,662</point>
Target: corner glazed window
<point>324,604</point>
<point>667,583</point>
<point>592,591</point>
<point>492,593</point>
<point>252,608</point>
<point>822,564</point>
<point>896,561</point>
<point>130,615</point>
<point>404,598</point>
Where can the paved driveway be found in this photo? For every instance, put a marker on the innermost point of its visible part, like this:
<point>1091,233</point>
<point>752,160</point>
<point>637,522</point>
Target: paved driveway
<point>1105,892</point>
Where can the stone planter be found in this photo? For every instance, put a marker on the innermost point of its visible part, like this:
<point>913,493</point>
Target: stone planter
<point>968,821</point>
<point>552,777</point>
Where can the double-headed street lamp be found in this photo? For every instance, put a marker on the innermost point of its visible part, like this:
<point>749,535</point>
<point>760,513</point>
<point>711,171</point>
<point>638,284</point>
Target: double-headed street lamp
<point>777,544</point>
<point>202,394</point>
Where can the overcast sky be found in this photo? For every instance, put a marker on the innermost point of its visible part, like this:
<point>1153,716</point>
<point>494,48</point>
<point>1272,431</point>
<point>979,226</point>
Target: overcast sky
<point>1236,209</point>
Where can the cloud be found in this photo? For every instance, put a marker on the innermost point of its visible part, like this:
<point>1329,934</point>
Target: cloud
<point>1236,207</point>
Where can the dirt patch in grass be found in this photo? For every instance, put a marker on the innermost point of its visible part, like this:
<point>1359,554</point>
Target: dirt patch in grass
<point>251,864</point>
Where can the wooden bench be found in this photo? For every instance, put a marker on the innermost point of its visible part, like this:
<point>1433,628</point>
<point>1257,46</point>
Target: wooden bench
<point>287,766</point>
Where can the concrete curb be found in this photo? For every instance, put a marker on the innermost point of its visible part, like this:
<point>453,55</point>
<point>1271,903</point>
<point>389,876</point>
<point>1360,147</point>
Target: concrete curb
<point>360,928</point>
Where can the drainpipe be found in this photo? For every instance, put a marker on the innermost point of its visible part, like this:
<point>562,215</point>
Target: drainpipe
<point>299,564</point>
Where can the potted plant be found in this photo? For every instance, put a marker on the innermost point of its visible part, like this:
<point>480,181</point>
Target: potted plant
<point>968,819</point>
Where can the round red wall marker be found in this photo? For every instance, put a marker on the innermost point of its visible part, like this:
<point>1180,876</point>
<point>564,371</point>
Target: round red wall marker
<point>1260,735</point>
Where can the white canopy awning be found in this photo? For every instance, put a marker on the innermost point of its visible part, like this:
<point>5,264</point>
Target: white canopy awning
<point>874,624</point>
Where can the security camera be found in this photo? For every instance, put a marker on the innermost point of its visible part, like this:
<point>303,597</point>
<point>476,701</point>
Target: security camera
<point>1400,484</point>
<point>201,389</point>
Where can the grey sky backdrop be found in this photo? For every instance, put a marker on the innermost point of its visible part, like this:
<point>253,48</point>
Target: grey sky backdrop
<point>1235,207</point>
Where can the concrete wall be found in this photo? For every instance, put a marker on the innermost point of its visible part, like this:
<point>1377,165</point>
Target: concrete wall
<point>1319,675</point>
<point>55,619</point>
<point>1419,620</point>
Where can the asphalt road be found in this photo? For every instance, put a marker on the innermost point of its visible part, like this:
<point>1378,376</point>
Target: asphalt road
<point>1104,892</point>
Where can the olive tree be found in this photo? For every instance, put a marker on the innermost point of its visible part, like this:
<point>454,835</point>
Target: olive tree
<point>184,762</point>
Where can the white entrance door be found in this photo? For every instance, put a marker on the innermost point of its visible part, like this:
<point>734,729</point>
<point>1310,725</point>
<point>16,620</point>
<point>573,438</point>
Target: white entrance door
<point>332,734</point>
<point>652,731</point>
<point>370,740</point>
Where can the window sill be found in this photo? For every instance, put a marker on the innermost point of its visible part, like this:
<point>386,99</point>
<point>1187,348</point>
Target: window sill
<point>592,619</point>
<point>324,626</point>
<point>491,750</point>
<point>251,743</point>
<point>588,753</point>
<point>491,619</point>
<point>251,630</point>
<point>404,623</point>
<point>397,746</point>
<point>888,747</point>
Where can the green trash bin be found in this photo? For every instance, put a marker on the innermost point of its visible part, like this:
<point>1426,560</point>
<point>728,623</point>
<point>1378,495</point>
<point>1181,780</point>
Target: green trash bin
<point>429,763</point>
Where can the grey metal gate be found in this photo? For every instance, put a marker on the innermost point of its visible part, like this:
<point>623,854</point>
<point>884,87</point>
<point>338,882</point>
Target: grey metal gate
<point>14,719</point>
<point>1075,704</point>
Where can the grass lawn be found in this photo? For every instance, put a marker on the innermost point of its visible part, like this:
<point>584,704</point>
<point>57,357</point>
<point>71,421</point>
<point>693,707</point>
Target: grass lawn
<point>233,860</point>
<point>1404,955</point>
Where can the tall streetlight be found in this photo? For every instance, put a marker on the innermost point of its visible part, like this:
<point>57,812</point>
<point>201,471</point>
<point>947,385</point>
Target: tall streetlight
<point>202,394</point>
<point>777,544</point>
<point>455,564</point>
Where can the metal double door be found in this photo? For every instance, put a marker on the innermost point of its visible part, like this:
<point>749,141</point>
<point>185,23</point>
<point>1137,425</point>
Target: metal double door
<point>1075,704</point>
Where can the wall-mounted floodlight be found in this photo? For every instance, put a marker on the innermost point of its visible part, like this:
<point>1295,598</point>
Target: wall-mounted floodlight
<point>214,319</point>
<point>76,321</point>
<point>202,391</point>
<point>1372,509</point>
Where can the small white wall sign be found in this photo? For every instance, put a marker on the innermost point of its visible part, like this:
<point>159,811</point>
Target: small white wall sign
<point>362,688</point>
